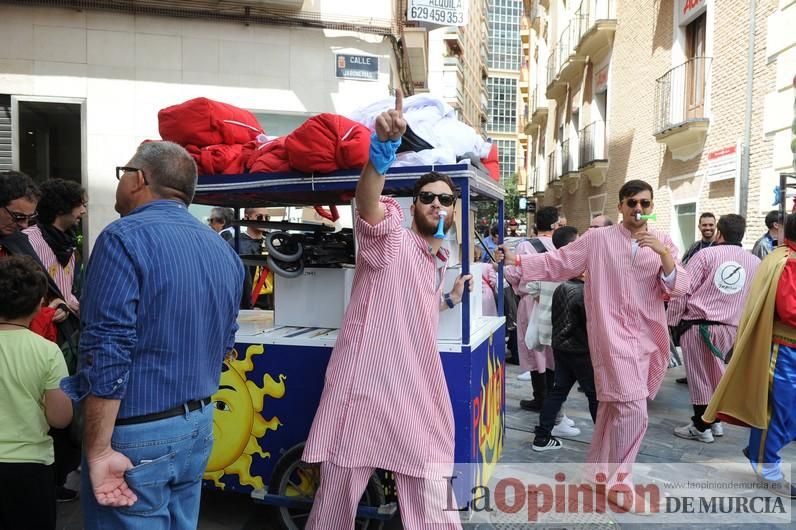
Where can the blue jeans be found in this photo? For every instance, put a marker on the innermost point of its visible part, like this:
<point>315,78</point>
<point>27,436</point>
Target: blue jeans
<point>765,445</point>
<point>170,457</point>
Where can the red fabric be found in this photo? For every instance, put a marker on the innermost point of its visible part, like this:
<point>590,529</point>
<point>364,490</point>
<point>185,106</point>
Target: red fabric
<point>492,163</point>
<point>270,157</point>
<point>786,302</point>
<point>218,159</point>
<point>326,143</point>
<point>43,325</point>
<point>204,122</point>
<point>331,214</point>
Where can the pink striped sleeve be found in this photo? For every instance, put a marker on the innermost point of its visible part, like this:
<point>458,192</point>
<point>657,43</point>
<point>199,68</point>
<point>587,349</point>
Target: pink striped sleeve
<point>378,244</point>
<point>512,273</point>
<point>557,265</point>
<point>682,281</point>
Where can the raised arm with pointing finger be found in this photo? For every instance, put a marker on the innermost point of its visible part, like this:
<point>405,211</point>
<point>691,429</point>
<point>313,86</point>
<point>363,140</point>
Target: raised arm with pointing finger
<point>390,127</point>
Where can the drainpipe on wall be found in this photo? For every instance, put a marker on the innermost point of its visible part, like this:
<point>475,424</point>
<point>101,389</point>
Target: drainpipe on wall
<point>743,203</point>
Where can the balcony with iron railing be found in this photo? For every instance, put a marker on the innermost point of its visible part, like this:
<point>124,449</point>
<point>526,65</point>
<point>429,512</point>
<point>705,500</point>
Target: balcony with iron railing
<point>554,167</point>
<point>555,86</point>
<point>571,61</point>
<point>539,183</point>
<point>538,107</point>
<point>593,152</point>
<point>597,25</point>
<point>681,120</point>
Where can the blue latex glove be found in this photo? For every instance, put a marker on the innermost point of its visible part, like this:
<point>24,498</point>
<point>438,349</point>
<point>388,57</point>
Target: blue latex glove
<point>382,154</point>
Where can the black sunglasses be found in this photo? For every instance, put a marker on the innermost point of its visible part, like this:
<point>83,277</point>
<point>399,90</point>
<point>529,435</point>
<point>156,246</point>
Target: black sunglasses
<point>445,199</point>
<point>215,220</point>
<point>21,217</point>
<point>121,170</point>
<point>645,203</point>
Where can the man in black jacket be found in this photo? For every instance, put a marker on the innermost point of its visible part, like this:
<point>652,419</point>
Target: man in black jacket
<point>570,350</point>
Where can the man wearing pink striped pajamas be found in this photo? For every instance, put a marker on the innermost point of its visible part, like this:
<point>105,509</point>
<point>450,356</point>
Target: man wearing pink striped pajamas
<point>630,270</point>
<point>707,318</point>
<point>385,402</point>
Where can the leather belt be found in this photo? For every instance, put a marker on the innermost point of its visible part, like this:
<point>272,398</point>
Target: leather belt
<point>170,413</point>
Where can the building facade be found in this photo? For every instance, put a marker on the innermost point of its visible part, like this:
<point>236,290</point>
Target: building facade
<point>81,87</point>
<point>503,86</point>
<point>457,65</point>
<point>658,90</point>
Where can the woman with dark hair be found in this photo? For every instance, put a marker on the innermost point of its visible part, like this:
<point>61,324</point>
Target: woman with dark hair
<point>54,238</point>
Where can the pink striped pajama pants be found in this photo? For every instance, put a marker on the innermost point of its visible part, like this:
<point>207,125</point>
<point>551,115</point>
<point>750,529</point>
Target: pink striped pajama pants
<point>617,438</point>
<point>341,489</point>
<point>702,368</point>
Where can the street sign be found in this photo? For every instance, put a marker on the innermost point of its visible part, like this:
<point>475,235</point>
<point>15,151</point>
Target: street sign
<point>722,164</point>
<point>359,67</point>
<point>439,12</point>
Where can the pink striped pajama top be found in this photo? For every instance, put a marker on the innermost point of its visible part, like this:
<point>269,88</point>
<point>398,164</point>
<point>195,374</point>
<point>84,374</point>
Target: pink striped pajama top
<point>624,296</point>
<point>720,279</point>
<point>63,277</point>
<point>385,401</point>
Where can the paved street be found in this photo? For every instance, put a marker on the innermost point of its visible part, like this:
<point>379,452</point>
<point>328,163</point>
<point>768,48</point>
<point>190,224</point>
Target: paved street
<point>670,409</point>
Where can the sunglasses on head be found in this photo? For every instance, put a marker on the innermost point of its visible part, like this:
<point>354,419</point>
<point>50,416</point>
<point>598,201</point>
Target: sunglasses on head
<point>445,199</point>
<point>645,203</point>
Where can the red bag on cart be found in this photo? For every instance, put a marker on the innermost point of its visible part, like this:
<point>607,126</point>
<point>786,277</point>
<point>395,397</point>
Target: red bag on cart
<point>270,157</point>
<point>326,143</point>
<point>492,164</point>
<point>202,122</point>
<point>218,159</point>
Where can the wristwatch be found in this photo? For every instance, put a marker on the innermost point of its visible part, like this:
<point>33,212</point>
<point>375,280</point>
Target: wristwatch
<point>448,300</point>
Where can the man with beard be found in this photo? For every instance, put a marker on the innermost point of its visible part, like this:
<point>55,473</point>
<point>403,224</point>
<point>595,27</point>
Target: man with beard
<point>707,318</point>
<point>707,226</point>
<point>758,389</point>
<point>366,419</point>
<point>54,238</point>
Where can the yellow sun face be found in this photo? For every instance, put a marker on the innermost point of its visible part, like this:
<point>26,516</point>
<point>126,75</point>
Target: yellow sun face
<point>238,422</point>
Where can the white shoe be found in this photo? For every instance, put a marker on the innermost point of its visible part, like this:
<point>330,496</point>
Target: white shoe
<point>525,376</point>
<point>565,430</point>
<point>689,432</point>
<point>717,429</point>
<point>567,421</point>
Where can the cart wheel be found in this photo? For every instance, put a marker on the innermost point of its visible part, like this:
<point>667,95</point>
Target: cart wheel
<point>285,269</point>
<point>283,246</point>
<point>292,477</point>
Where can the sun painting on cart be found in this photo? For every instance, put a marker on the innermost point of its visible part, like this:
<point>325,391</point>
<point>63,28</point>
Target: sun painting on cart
<point>238,421</point>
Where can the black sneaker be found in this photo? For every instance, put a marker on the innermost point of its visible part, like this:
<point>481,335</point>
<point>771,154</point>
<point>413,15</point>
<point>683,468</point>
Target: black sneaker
<point>534,405</point>
<point>682,380</point>
<point>540,445</point>
<point>63,494</point>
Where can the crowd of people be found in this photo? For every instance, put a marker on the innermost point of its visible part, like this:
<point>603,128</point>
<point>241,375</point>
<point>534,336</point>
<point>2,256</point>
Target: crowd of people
<point>618,302</point>
<point>154,323</point>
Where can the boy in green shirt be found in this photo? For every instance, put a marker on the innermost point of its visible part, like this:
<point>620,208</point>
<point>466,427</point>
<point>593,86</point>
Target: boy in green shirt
<point>31,369</point>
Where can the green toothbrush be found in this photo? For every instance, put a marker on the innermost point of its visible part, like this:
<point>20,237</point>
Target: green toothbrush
<point>645,217</point>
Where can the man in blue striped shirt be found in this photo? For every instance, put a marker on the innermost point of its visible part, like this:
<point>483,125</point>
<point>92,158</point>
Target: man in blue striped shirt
<point>159,312</point>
